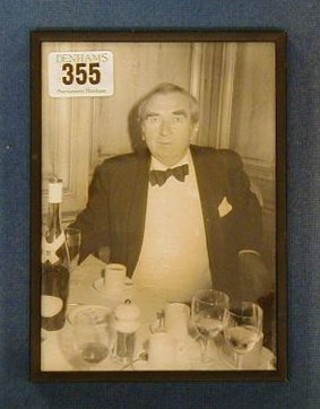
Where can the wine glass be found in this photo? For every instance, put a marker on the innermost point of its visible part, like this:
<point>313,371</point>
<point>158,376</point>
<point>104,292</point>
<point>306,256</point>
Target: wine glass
<point>244,329</point>
<point>208,312</point>
<point>93,337</point>
<point>73,239</point>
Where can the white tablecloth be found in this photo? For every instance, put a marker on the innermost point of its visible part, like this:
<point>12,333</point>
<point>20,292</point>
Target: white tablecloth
<point>58,352</point>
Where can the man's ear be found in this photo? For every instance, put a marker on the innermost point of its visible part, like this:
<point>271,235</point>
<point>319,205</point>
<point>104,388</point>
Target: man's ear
<point>143,132</point>
<point>194,132</point>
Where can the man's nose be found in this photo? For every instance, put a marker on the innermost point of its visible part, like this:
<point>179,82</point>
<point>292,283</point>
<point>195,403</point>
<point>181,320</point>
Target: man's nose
<point>165,128</point>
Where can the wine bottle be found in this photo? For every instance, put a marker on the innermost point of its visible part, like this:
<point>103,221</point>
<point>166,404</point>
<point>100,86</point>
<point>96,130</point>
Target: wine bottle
<point>55,264</point>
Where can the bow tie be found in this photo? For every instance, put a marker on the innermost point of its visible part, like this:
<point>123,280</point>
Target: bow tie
<point>159,177</point>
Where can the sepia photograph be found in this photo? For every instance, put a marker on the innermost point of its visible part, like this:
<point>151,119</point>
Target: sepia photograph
<point>158,206</point>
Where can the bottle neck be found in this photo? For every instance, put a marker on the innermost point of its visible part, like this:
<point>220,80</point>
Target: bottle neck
<point>54,221</point>
<point>54,248</point>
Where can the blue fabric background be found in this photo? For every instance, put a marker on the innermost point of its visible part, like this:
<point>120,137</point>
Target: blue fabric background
<point>302,21</point>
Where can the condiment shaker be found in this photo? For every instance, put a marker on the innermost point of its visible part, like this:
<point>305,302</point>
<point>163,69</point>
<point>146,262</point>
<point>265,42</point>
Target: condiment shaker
<point>127,322</point>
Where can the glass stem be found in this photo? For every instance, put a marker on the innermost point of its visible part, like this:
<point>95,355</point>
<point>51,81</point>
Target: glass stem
<point>239,361</point>
<point>204,348</point>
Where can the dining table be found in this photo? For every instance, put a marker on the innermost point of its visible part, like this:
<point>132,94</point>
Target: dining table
<point>58,352</point>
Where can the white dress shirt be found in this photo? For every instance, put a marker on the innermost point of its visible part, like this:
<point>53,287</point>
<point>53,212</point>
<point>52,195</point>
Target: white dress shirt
<point>174,255</point>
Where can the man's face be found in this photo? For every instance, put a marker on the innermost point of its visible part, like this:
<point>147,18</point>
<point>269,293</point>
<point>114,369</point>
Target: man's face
<point>167,127</point>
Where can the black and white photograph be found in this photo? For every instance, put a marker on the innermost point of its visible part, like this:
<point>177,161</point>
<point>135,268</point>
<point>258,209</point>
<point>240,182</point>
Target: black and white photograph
<point>158,206</point>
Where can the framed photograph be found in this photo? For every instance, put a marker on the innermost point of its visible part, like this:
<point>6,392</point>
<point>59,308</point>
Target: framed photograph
<point>158,206</point>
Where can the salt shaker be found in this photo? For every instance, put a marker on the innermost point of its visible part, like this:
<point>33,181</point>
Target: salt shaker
<point>127,322</point>
<point>159,325</point>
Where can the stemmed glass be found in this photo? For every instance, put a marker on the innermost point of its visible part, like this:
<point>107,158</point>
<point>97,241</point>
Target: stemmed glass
<point>208,312</point>
<point>244,329</point>
<point>73,239</point>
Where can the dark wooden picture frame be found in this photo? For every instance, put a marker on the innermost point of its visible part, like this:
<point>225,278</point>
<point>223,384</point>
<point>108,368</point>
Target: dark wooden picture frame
<point>244,74</point>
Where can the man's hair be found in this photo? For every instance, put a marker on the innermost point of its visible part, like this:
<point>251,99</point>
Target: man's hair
<point>165,89</point>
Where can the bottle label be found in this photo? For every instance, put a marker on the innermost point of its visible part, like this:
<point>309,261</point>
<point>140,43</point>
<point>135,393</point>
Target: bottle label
<point>50,306</point>
<point>55,192</point>
<point>49,250</point>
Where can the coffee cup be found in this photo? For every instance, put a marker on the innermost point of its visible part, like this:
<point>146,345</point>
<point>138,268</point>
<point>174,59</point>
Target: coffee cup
<point>115,278</point>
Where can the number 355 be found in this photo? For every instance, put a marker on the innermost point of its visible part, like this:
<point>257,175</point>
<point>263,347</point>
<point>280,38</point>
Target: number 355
<point>81,73</point>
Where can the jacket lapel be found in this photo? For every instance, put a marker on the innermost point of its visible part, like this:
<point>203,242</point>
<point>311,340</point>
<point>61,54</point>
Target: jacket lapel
<point>210,181</point>
<point>137,214</point>
<point>211,191</point>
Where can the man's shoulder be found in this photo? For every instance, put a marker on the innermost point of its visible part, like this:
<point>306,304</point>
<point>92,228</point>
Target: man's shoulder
<point>223,156</point>
<point>124,161</point>
<point>122,158</point>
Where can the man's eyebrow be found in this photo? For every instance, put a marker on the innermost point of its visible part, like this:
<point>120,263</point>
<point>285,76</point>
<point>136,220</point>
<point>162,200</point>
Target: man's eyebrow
<point>180,112</point>
<point>150,114</point>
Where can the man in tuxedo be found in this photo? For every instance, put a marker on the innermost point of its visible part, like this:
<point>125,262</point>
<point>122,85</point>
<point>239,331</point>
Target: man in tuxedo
<point>179,216</point>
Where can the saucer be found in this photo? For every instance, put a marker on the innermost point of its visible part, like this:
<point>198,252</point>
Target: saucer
<point>99,312</point>
<point>98,285</point>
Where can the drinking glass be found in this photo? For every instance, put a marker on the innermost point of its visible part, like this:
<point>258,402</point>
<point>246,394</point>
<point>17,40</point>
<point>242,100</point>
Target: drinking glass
<point>93,337</point>
<point>73,239</point>
<point>244,329</point>
<point>208,312</point>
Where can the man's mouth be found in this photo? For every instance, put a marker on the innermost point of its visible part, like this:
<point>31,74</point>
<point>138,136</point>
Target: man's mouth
<point>165,142</point>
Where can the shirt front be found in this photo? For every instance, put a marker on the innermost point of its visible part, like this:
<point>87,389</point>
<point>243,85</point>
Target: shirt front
<point>174,256</point>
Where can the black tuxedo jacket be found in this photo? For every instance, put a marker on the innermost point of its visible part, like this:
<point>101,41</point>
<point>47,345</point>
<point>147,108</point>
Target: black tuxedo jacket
<point>116,210</point>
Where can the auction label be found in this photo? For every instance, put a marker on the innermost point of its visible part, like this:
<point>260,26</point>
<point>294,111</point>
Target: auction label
<point>81,74</point>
